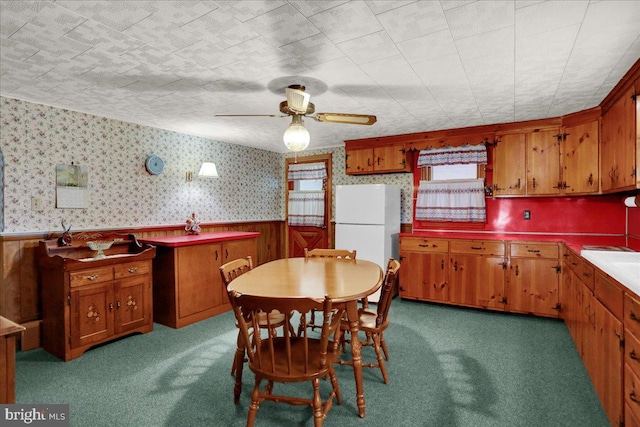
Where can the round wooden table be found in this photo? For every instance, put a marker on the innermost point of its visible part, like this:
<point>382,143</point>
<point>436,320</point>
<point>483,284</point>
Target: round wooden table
<point>345,280</point>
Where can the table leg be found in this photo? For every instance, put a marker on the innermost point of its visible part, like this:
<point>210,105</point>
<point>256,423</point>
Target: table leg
<point>356,354</point>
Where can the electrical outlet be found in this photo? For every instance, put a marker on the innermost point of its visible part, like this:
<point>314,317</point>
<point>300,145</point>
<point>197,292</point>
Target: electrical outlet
<point>36,204</point>
<point>527,214</point>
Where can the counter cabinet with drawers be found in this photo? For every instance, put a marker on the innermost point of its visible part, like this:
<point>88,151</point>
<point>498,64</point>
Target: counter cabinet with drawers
<point>90,298</point>
<point>519,277</point>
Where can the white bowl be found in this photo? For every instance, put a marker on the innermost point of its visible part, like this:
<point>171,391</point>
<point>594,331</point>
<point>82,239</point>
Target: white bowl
<point>100,246</point>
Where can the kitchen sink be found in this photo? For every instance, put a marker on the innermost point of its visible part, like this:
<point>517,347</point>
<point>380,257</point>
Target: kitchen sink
<point>622,266</point>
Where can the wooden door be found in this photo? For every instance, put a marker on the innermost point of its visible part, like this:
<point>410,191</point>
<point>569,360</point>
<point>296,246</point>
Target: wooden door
<point>359,160</point>
<point>424,276</point>
<point>389,158</point>
<point>609,362</point>
<point>301,237</point>
<point>199,278</point>
<point>532,286</point>
<point>618,145</point>
<point>91,314</point>
<point>509,165</point>
<point>477,280</point>
<point>543,162</point>
<point>132,303</point>
<point>579,158</point>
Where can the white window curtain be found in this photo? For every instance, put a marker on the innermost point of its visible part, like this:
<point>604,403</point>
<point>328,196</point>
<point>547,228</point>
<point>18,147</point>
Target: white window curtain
<point>307,171</point>
<point>453,155</point>
<point>306,208</point>
<point>454,200</point>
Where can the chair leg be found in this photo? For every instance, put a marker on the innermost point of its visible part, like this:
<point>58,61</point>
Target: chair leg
<point>238,365</point>
<point>383,343</point>
<point>335,384</point>
<point>255,401</point>
<point>318,415</point>
<point>383,367</point>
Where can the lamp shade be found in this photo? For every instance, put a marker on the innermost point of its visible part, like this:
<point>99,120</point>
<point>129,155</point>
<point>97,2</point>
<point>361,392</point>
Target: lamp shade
<point>208,170</point>
<point>296,137</point>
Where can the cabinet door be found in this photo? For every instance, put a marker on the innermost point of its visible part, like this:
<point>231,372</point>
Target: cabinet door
<point>387,159</point>
<point>239,249</point>
<point>609,362</point>
<point>424,276</point>
<point>359,160</point>
<point>509,166</point>
<point>91,313</point>
<point>618,145</point>
<point>543,162</point>
<point>477,280</point>
<point>199,278</point>
<point>533,286</point>
<point>133,306</point>
<point>579,157</point>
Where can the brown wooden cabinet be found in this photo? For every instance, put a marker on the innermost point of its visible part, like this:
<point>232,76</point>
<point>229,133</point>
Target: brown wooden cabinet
<point>548,162</point>
<point>187,286</point>
<point>533,278</point>
<point>619,144</point>
<point>88,301</point>
<point>632,356</point>
<point>509,172</point>
<point>477,275</point>
<point>380,159</point>
<point>579,158</point>
<point>9,331</point>
<point>425,269</point>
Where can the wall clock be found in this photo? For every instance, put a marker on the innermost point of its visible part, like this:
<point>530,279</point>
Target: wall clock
<point>154,164</point>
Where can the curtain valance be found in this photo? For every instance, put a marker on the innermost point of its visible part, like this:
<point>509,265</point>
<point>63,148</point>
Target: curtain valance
<point>307,171</point>
<point>452,155</point>
<point>306,208</point>
<point>453,200</point>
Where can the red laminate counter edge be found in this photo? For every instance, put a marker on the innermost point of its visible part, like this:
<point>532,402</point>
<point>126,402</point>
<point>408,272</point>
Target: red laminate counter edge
<point>198,239</point>
<point>574,241</point>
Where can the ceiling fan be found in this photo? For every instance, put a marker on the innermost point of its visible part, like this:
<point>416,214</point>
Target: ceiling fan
<point>297,105</point>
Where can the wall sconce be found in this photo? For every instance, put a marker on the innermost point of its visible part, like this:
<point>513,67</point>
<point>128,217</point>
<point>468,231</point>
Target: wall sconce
<point>208,170</point>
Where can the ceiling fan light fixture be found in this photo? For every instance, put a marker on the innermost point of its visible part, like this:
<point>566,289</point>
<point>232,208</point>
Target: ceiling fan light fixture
<point>296,137</point>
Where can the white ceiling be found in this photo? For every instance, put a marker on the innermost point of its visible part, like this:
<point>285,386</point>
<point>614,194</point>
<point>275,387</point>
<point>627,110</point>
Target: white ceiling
<point>416,65</point>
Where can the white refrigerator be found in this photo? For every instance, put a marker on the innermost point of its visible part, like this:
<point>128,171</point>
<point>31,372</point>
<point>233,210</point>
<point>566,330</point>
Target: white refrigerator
<point>368,220</point>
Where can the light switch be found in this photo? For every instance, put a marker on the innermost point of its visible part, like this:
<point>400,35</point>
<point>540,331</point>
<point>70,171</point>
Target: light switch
<point>527,214</point>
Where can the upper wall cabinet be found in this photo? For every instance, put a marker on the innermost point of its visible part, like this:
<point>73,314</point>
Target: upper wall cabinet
<point>381,159</point>
<point>619,150</point>
<point>548,162</point>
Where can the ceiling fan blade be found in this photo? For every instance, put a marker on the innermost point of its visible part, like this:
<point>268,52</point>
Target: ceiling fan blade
<point>250,115</point>
<point>354,119</point>
<point>297,100</point>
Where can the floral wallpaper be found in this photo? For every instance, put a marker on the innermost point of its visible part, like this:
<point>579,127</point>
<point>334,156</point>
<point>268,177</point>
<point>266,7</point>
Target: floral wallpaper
<point>35,138</point>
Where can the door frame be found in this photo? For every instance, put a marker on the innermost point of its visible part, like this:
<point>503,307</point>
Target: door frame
<point>328,200</point>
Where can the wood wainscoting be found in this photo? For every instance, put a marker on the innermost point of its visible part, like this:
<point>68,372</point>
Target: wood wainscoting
<point>20,293</point>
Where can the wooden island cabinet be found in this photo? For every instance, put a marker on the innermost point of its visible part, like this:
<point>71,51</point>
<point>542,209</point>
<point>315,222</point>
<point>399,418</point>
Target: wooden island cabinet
<point>187,286</point>
<point>89,298</point>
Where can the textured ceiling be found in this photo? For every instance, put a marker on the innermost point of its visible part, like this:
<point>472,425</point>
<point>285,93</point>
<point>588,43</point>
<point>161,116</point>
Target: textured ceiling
<point>416,65</point>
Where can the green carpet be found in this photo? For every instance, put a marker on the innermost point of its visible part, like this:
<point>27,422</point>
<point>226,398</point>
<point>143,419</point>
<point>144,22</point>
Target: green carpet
<point>449,367</point>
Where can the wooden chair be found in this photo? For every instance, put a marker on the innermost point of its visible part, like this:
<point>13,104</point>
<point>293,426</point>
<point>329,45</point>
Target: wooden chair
<point>230,271</point>
<point>325,253</point>
<point>373,324</point>
<point>285,357</point>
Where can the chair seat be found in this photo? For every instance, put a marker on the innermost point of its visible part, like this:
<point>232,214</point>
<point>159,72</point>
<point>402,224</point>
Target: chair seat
<point>295,371</point>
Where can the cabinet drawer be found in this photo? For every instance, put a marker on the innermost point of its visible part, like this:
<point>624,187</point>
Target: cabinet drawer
<point>480,247</point>
<point>424,245</point>
<point>94,275</point>
<point>632,316</point>
<point>534,250</point>
<point>632,352</point>
<point>131,269</point>
<point>583,270</point>
<point>630,419</point>
<point>632,391</point>
<point>610,295</point>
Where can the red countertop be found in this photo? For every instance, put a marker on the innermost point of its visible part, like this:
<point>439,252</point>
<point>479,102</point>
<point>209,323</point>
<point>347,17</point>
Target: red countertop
<point>199,239</point>
<point>574,241</point>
